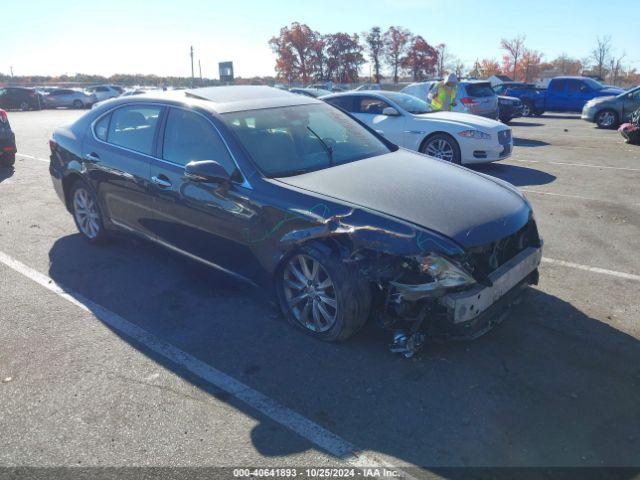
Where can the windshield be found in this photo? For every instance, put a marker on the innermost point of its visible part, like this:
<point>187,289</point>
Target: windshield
<point>293,140</point>
<point>408,102</point>
<point>593,84</point>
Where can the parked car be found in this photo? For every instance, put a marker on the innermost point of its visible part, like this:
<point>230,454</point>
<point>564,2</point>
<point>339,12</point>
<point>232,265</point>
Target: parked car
<point>509,108</point>
<point>522,91</point>
<point>104,92</point>
<point>7,142</point>
<point>20,98</point>
<point>310,92</point>
<point>409,122</point>
<point>610,112</point>
<point>473,96</point>
<point>563,94</point>
<point>127,93</point>
<point>69,98</point>
<point>288,192</point>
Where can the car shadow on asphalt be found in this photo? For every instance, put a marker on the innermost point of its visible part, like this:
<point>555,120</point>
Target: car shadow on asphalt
<point>527,142</point>
<point>516,175</point>
<point>6,172</point>
<point>525,124</point>
<point>550,386</point>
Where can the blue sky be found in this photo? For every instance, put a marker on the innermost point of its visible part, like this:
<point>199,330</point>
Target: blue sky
<point>144,36</point>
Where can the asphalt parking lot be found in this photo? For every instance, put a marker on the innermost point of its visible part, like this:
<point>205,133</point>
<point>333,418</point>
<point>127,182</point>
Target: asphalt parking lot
<point>133,361</point>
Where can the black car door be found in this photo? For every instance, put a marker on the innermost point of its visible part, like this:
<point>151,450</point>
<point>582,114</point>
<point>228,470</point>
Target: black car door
<point>206,220</point>
<point>117,155</point>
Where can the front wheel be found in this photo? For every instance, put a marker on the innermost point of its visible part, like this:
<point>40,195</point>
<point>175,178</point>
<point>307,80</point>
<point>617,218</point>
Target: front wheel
<point>78,104</point>
<point>320,294</point>
<point>24,106</point>
<point>527,109</point>
<point>607,119</point>
<point>442,146</point>
<point>86,213</point>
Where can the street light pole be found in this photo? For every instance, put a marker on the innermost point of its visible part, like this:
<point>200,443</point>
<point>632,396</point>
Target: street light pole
<point>192,74</point>
<point>200,70</point>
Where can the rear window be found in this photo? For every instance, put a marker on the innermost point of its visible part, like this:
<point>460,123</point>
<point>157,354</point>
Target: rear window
<point>480,90</point>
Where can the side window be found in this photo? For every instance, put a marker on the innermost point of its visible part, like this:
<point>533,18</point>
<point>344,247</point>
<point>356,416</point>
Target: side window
<point>345,103</point>
<point>101,127</point>
<point>133,127</point>
<point>370,105</point>
<point>102,89</point>
<point>557,86</point>
<point>575,86</point>
<point>191,137</point>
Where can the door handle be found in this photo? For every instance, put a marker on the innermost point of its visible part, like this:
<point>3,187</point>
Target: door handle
<point>161,182</point>
<point>92,157</point>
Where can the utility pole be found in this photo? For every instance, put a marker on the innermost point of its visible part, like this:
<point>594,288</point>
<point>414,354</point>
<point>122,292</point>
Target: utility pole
<point>192,74</point>
<point>200,69</point>
<point>11,68</point>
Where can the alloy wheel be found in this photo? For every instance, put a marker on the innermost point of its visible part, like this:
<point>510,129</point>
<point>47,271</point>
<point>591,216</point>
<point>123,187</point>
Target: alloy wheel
<point>310,293</point>
<point>526,110</point>
<point>606,119</point>
<point>440,148</point>
<point>86,213</point>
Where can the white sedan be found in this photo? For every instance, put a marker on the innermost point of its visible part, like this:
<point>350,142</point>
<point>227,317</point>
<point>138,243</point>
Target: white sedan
<point>409,122</point>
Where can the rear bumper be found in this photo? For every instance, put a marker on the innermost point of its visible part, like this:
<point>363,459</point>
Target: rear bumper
<point>8,145</point>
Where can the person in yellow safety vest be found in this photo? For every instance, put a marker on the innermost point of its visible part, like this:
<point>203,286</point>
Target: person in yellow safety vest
<point>443,96</point>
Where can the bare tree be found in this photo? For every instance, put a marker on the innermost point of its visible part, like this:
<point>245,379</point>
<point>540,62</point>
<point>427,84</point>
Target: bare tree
<point>515,50</point>
<point>444,59</point>
<point>616,68</point>
<point>601,54</point>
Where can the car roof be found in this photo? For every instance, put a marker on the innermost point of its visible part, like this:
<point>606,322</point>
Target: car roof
<point>246,97</point>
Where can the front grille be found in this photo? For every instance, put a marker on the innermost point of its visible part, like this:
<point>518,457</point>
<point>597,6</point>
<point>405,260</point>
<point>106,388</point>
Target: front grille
<point>489,257</point>
<point>504,136</point>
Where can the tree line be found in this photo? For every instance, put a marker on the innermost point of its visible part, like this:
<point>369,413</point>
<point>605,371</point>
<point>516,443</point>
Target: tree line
<point>305,55</point>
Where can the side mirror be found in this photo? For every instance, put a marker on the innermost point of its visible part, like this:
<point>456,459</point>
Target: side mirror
<point>206,171</point>
<point>390,112</point>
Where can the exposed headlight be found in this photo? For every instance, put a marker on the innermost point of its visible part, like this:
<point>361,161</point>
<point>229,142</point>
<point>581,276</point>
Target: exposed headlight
<point>444,272</point>
<point>477,134</point>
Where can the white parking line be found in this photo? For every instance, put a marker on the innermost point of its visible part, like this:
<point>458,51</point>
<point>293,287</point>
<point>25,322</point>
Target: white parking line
<point>299,424</point>
<point>604,271</point>
<point>588,165</point>
<point>32,157</point>
<point>538,192</point>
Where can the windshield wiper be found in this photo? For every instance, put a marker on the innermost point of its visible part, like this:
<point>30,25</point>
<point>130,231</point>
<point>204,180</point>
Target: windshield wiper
<point>326,147</point>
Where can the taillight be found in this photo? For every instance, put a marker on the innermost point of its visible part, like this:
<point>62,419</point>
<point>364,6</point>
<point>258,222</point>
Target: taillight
<point>3,116</point>
<point>467,101</point>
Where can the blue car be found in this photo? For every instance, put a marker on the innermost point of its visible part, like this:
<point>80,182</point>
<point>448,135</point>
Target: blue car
<point>564,94</point>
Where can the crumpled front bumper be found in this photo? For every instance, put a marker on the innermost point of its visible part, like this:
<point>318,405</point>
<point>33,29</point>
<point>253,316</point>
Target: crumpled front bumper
<point>470,313</point>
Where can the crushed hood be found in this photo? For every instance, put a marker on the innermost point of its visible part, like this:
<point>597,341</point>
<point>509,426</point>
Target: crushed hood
<point>467,207</point>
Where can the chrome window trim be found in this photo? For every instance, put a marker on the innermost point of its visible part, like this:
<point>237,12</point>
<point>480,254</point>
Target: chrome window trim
<point>245,183</point>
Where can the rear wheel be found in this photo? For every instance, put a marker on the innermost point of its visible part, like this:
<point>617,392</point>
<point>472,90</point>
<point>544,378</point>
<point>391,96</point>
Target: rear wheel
<point>527,108</point>
<point>78,104</point>
<point>323,296</point>
<point>442,146</point>
<point>24,106</point>
<point>607,119</point>
<point>8,160</point>
<point>86,213</point>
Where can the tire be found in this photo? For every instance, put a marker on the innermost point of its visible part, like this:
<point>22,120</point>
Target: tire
<point>346,302</point>
<point>8,160</point>
<point>527,108</point>
<point>538,113</point>
<point>506,120</point>
<point>439,145</point>
<point>24,106</point>
<point>607,119</point>
<point>90,225</point>
<point>78,104</point>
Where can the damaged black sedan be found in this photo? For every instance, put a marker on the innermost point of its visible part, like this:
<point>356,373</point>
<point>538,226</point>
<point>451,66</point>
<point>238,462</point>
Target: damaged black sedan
<point>288,192</point>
